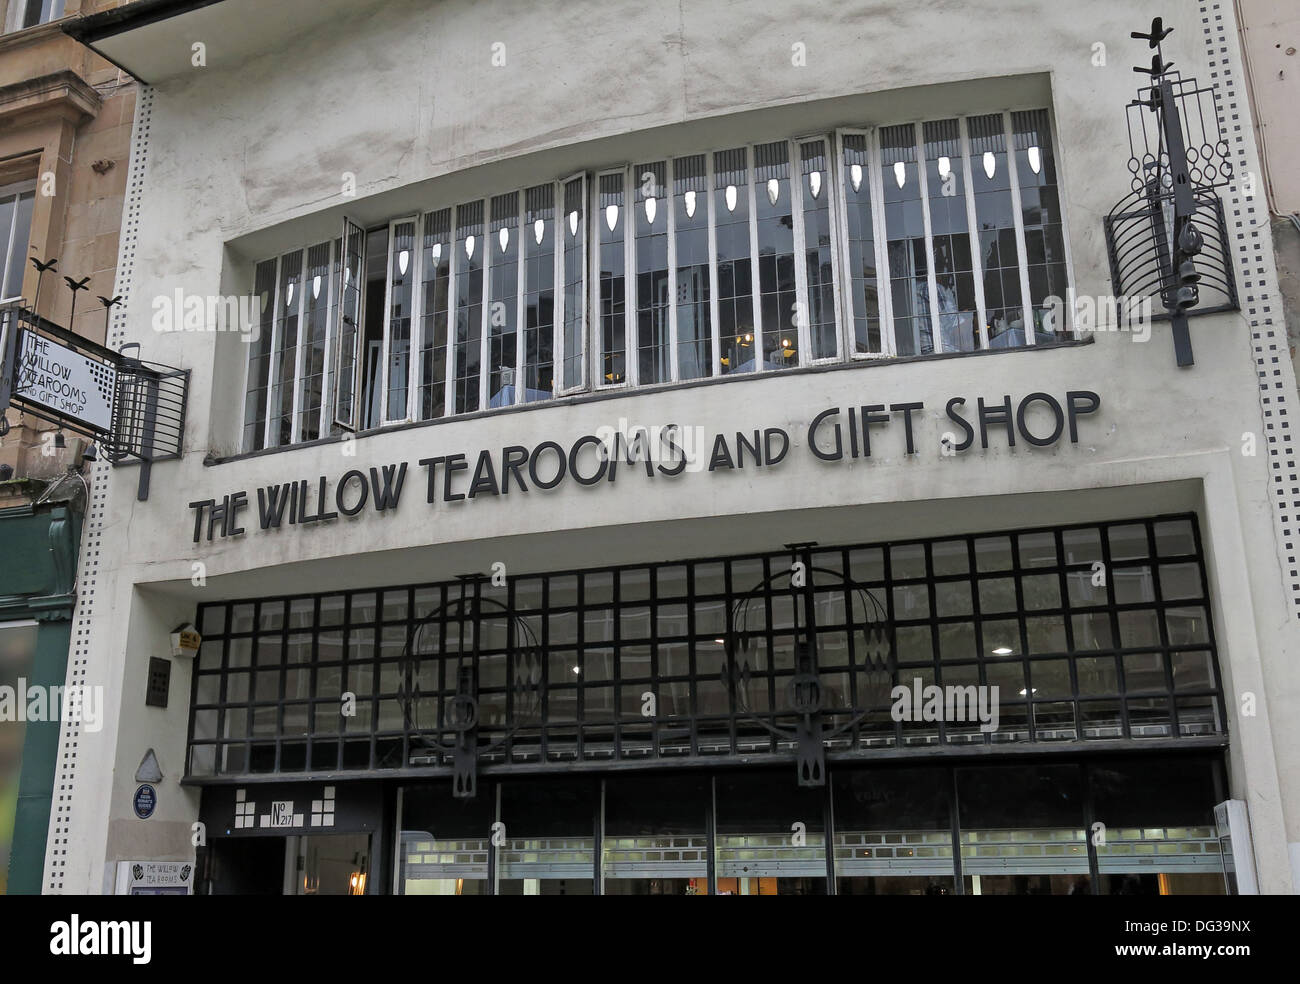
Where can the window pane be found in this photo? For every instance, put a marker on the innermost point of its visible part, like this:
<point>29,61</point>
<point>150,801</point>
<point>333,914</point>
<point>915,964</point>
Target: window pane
<point>950,234</point>
<point>652,273</point>
<point>818,266</point>
<point>401,261</point>
<point>735,284</point>
<point>575,295</point>
<point>1041,207</point>
<point>316,319</point>
<point>776,281</point>
<point>503,293</point>
<point>433,336</point>
<point>286,358</point>
<point>996,223</point>
<point>613,290</point>
<point>691,222</point>
<point>469,304</point>
<point>15,214</point>
<point>348,329</point>
<point>259,359</point>
<point>905,236</point>
<point>539,293</point>
<point>862,285</point>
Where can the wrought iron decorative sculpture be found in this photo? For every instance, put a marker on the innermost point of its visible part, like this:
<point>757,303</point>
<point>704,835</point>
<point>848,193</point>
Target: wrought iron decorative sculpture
<point>461,712</point>
<point>804,691</point>
<point>1167,237</point>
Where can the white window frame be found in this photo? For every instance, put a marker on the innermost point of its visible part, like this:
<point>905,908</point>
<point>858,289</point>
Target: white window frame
<point>630,361</point>
<point>57,11</point>
<point>562,222</point>
<point>385,351</point>
<point>15,191</point>
<point>801,247</point>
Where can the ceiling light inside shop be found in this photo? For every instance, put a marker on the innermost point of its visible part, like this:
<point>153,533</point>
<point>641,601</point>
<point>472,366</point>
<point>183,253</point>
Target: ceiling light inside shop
<point>1002,651</point>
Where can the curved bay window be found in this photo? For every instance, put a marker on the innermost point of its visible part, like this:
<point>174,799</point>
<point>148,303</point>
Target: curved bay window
<point>908,240</point>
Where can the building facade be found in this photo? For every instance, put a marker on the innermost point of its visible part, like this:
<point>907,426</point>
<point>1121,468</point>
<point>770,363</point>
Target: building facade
<point>65,139</point>
<point>634,449</point>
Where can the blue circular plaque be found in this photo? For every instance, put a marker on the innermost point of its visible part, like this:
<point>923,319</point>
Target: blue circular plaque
<point>146,799</point>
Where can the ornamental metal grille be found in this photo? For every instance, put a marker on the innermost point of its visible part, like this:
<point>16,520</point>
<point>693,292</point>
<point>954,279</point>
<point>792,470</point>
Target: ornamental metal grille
<point>1094,635</point>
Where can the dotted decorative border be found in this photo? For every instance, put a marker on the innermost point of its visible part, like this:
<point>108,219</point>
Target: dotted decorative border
<point>56,854</point>
<point>1257,273</point>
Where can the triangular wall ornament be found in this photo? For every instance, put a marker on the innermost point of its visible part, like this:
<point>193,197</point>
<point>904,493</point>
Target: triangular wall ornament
<point>149,770</point>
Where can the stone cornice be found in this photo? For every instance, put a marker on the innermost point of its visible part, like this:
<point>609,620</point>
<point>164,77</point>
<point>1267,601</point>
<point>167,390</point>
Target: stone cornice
<point>61,95</point>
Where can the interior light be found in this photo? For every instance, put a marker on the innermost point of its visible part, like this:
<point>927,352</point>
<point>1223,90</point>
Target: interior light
<point>539,230</point>
<point>504,236</point>
<point>1035,159</point>
<point>651,209</point>
<point>1002,651</point>
<point>403,258</point>
<point>773,190</point>
<point>855,175</point>
<point>945,167</point>
<point>690,204</point>
<point>469,245</point>
<point>990,164</point>
<point>815,183</point>
<point>611,216</point>
<point>720,642</point>
<point>900,173</point>
<point>785,343</point>
<point>576,670</point>
<point>288,300</point>
<point>573,222</point>
<point>730,195</point>
<point>315,286</point>
<point>437,251</point>
<point>1024,692</point>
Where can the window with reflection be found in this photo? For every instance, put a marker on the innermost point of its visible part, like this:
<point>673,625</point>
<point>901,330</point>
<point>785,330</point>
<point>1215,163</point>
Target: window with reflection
<point>435,291</point>
<point>819,249</point>
<point>503,298</point>
<point>1022,830</point>
<point>995,219</point>
<point>950,236</point>
<point>575,273</point>
<point>908,257</point>
<point>469,305</point>
<point>443,842</point>
<point>861,282</point>
<point>539,294</point>
<point>401,274</point>
<point>771,835</point>
<point>893,832</point>
<point>651,285</point>
<point>776,260</point>
<point>259,358</point>
<point>1040,205</point>
<point>691,205</point>
<point>550,842</point>
<point>735,271</point>
<point>656,835</point>
<point>1158,815</point>
<point>286,348</point>
<point>611,224</point>
<point>318,301</point>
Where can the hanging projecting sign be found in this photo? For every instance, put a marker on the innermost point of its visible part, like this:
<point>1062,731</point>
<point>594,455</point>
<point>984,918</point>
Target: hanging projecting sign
<point>51,376</point>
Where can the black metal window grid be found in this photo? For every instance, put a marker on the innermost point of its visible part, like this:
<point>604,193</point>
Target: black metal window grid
<point>1097,633</point>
